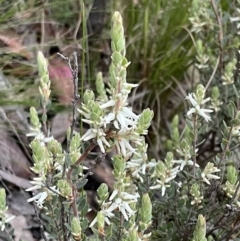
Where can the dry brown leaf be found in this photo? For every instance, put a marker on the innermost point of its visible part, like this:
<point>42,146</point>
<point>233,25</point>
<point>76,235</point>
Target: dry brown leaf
<point>17,181</point>
<point>11,156</point>
<point>19,224</point>
<point>61,77</point>
<point>60,125</point>
<point>13,44</point>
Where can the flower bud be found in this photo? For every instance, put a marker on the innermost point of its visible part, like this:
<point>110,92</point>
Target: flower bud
<point>64,188</point>
<point>42,64</point>
<point>200,93</point>
<point>200,229</point>
<point>145,212</point>
<point>2,201</point>
<point>87,96</point>
<point>232,174</point>
<point>132,235</point>
<point>34,118</point>
<point>101,87</point>
<point>55,147</point>
<point>76,229</point>
<point>100,223</point>
<point>103,192</point>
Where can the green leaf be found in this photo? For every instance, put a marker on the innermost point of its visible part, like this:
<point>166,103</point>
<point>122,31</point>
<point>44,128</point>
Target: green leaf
<point>231,108</point>
<point>117,58</point>
<point>69,228</point>
<point>81,184</point>
<point>235,122</point>
<point>203,129</point>
<point>180,203</point>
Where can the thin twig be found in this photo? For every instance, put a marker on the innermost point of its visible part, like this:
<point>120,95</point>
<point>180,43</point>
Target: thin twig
<point>80,159</point>
<point>194,144</point>
<point>63,218</point>
<point>220,35</point>
<point>74,71</point>
<point>42,25</point>
<point>40,222</point>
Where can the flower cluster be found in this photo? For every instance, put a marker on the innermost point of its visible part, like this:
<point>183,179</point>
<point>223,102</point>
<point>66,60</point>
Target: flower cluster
<point>185,152</point>
<point>164,173</point>
<point>200,229</point>
<point>139,165</point>
<point>228,76</point>
<point>208,171</point>
<point>197,100</point>
<point>230,187</point>
<point>201,16</point>
<point>196,194</point>
<point>111,117</point>
<point>215,99</point>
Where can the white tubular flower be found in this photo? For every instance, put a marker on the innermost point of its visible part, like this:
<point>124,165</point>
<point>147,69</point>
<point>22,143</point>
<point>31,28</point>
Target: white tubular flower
<point>122,203</point>
<point>38,184</point>
<point>39,136</point>
<point>160,184</point>
<point>124,116</point>
<point>99,134</point>
<point>184,163</point>
<point>39,198</point>
<point>107,215</point>
<point>123,207</point>
<point>196,107</point>
<point>124,147</point>
<point>139,166</point>
<point>207,173</point>
<point>164,176</point>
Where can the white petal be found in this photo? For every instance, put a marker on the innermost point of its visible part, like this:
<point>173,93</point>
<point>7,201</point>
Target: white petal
<point>155,187</point>
<point>123,213</point>
<point>205,100</point>
<point>108,104</point>
<point>205,179</point>
<point>191,163</point>
<point>112,207</point>
<point>128,112</point>
<point>114,193</point>
<point>211,176</point>
<point>100,144</point>
<point>183,164</point>
<point>33,188</point>
<point>105,141</point>
<point>93,222</point>
<point>191,111</point>
<point>121,120</point>
<point>170,178</point>
<point>88,135</point>
<point>129,147</point>
<point>192,100</point>
<point>163,190</point>
<point>123,149</point>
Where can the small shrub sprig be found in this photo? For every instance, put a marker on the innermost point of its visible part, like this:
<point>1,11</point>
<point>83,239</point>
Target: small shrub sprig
<point>112,124</point>
<point>151,199</point>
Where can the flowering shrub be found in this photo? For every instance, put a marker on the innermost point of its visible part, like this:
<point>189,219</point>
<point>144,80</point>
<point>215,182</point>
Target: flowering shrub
<point>180,198</point>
